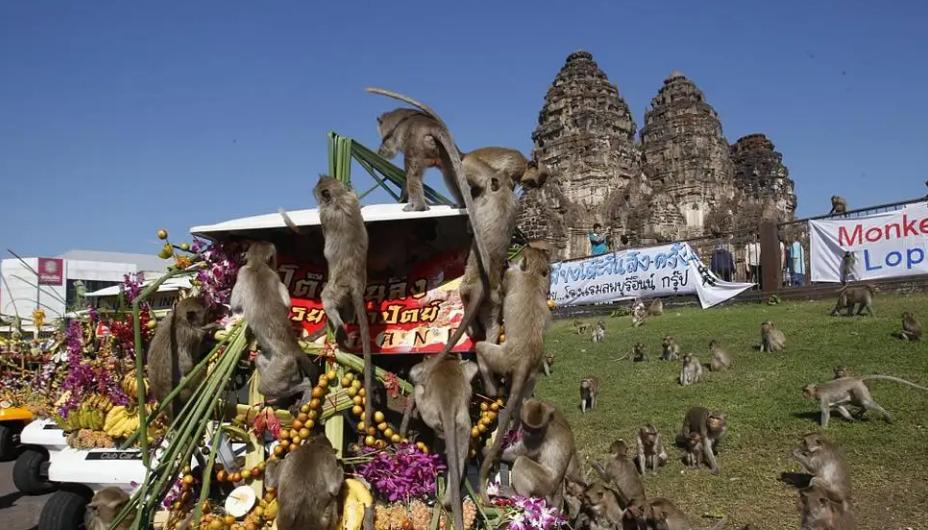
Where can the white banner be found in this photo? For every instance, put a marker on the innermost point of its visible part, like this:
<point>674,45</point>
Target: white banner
<point>642,273</point>
<point>883,245</point>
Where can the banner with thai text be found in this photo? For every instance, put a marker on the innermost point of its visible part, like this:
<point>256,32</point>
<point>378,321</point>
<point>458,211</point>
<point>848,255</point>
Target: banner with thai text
<point>416,313</point>
<point>882,245</point>
<point>640,273</point>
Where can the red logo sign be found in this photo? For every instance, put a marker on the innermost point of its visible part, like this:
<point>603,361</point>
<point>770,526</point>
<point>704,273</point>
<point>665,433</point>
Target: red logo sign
<point>417,313</point>
<point>51,271</point>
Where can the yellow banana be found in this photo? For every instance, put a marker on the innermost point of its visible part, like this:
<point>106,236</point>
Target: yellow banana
<point>357,498</point>
<point>360,491</point>
<point>114,415</point>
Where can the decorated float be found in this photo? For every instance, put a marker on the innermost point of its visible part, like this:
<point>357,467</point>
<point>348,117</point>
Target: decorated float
<point>205,467</point>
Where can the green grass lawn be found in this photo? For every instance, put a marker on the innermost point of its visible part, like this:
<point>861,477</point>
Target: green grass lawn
<point>761,396</point>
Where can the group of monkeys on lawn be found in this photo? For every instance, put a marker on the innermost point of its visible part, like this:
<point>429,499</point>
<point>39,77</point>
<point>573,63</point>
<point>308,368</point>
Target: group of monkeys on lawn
<point>495,291</point>
<point>824,503</point>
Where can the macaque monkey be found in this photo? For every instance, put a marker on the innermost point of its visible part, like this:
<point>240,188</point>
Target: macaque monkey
<point>660,513</point>
<point>842,371</point>
<point>602,504</point>
<point>621,471</point>
<point>771,339</point>
<point>651,453</point>
<point>720,358</point>
<point>639,314</point>
<point>309,481</point>
<point>694,454</point>
<point>545,455</point>
<point>862,295</point>
<point>638,353</point>
<point>670,350</point>
<point>263,299</point>
<point>911,329</point>
<point>180,342</point>
<point>481,287</point>
<point>345,253</point>
<point>821,511</point>
<point>526,315</point>
<point>824,461</point>
<point>848,266</point>
<point>589,388</point>
<point>103,508</point>
<point>548,363</point>
<point>838,393</point>
<point>838,205</point>
<point>599,331</point>
<point>581,327</point>
<point>711,428</point>
<point>691,372</point>
<point>574,504</point>
<point>426,141</point>
<point>656,308</point>
<point>442,395</point>
<point>512,165</point>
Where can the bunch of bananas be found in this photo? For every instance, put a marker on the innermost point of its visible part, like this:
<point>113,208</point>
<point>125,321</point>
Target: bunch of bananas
<point>120,423</point>
<point>82,417</point>
<point>357,498</point>
<point>130,386</point>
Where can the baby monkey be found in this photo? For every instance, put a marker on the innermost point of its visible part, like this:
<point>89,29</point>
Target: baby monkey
<point>651,453</point>
<point>720,358</point>
<point>911,329</point>
<point>694,455</point>
<point>691,373</point>
<point>771,339</point>
<point>589,388</point>
<point>670,350</point>
<point>599,331</point>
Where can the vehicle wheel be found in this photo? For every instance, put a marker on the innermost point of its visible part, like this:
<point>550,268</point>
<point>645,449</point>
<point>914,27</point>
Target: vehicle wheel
<point>64,511</point>
<point>9,442</point>
<point>29,475</point>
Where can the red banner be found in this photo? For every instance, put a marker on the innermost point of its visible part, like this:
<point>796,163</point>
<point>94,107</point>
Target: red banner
<point>51,271</point>
<point>415,314</point>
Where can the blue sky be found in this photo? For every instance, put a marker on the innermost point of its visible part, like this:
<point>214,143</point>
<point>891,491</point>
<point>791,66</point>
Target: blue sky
<point>118,118</point>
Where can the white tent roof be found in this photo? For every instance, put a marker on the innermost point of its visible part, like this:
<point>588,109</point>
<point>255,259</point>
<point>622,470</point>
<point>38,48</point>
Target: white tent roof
<point>371,213</point>
<point>171,284</point>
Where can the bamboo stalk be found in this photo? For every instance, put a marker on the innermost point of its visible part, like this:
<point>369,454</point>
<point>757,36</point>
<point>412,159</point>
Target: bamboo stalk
<point>193,374</point>
<point>207,478</point>
<point>190,425</point>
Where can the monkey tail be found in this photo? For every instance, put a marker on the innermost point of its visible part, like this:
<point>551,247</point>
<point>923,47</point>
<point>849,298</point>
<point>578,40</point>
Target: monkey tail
<point>721,524</point>
<point>454,471</point>
<point>896,379</point>
<point>502,428</point>
<point>470,313</point>
<point>360,311</point>
<point>406,99</point>
<point>454,165</point>
<point>289,222</point>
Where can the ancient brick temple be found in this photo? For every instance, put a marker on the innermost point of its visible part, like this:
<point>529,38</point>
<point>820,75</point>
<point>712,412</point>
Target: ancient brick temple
<point>682,179</point>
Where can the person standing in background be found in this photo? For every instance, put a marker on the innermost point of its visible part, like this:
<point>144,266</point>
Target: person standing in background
<point>598,243</point>
<point>752,260</point>
<point>797,263</point>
